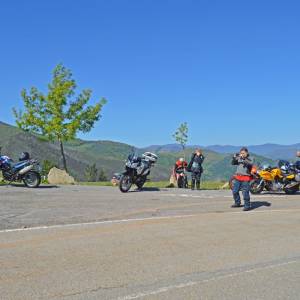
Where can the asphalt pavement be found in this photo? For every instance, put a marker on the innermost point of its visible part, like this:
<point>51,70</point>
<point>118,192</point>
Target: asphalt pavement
<point>80,242</point>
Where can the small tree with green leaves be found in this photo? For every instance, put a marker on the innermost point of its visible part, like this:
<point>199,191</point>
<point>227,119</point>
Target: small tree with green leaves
<point>102,176</point>
<point>58,115</point>
<point>47,165</point>
<point>91,173</point>
<point>181,136</point>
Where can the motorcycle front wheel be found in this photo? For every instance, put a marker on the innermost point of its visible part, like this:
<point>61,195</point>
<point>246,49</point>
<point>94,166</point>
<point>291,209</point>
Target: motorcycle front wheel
<point>125,183</point>
<point>32,179</point>
<point>256,186</point>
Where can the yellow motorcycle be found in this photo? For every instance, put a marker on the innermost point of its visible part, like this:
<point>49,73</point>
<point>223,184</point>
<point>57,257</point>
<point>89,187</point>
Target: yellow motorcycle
<point>276,179</point>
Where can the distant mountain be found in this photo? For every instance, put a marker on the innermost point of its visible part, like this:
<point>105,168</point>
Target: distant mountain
<point>273,151</point>
<point>109,155</point>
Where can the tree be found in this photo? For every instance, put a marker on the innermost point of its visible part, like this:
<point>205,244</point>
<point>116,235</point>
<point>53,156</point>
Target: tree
<point>102,176</point>
<point>181,136</point>
<point>60,114</point>
<point>46,167</point>
<point>91,173</point>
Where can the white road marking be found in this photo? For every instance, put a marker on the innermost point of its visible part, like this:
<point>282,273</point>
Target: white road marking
<point>193,283</point>
<point>144,219</point>
<point>261,196</point>
<point>190,196</point>
<point>96,223</point>
<point>224,196</point>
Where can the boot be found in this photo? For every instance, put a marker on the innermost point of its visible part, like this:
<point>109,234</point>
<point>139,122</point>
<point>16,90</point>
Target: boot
<point>198,186</point>
<point>193,184</point>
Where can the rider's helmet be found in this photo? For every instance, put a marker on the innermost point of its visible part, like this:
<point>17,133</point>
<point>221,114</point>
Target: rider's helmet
<point>24,156</point>
<point>181,159</point>
<point>284,165</point>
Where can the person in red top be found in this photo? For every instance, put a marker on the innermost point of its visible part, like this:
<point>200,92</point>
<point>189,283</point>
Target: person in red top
<point>180,164</point>
<point>179,168</point>
<point>242,178</point>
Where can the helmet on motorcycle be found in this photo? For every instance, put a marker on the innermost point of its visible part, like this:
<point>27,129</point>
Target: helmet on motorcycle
<point>266,167</point>
<point>181,159</point>
<point>149,156</point>
<point>284,165</point>
<point>24,156</point>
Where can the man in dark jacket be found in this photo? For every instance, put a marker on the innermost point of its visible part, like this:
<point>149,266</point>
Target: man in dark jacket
<point>195,166</point>
<point>242,178</point>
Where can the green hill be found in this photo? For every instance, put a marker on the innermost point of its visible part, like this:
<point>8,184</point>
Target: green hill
<point>107,155</point>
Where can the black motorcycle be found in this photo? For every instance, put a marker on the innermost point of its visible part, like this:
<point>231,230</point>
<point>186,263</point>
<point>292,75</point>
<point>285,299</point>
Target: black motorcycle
<point>182,180</point>
<point>26,170</point>
<point>137,170</point>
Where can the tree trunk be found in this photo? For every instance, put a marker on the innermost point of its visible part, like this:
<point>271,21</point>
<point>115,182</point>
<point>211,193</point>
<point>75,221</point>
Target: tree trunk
<point>63,155</point>
<point>183,150</point>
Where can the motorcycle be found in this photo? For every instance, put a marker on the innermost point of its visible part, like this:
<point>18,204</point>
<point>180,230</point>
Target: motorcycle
<point>26,170</point>
<point>181,177</point>
<point>136,171</point>
<point>284,177</point>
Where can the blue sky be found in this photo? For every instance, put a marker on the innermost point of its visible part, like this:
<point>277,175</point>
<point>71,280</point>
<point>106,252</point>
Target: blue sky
<point>231,69</point>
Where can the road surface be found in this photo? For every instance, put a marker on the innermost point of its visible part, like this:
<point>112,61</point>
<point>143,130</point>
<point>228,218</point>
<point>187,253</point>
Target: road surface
<point>78,242</point>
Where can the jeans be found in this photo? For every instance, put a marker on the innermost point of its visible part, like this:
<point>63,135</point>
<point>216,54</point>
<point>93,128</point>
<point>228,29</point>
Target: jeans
<point>243,186</point>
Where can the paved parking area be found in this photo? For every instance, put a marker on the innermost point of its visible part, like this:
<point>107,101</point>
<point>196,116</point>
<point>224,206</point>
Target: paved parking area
<point>79,242</point>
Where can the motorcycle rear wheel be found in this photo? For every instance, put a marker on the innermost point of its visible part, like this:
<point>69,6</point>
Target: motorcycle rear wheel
<point>231,182</point>
<point>125,183</point>
<point>292,190</point>
<point>180,182</point>
<point>256,187</point>
<point>32,179</point>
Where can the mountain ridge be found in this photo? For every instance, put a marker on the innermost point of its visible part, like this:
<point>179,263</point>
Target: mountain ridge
<point>109,155</point>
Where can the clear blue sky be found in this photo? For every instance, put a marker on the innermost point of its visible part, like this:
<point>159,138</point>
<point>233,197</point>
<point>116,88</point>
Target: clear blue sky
<point>231,69</point>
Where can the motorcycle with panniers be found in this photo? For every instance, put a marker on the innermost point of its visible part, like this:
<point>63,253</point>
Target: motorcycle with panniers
<point>137,168</point>
<point>284,177</point>
<point>26,170</point>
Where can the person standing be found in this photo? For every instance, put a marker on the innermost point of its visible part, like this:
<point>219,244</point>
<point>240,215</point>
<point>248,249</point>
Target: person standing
<point>195,166</point>
<point>242,178</point>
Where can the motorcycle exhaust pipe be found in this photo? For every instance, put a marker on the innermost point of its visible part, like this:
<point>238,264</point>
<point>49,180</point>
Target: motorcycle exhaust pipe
<point>292,185</point>
<point>25,170</point>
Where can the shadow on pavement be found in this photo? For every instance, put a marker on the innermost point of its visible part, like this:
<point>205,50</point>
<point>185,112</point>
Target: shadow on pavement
<point>48,186</point>
<point>257,204</point>
<point>21,185</point>
<point>146,189</point>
